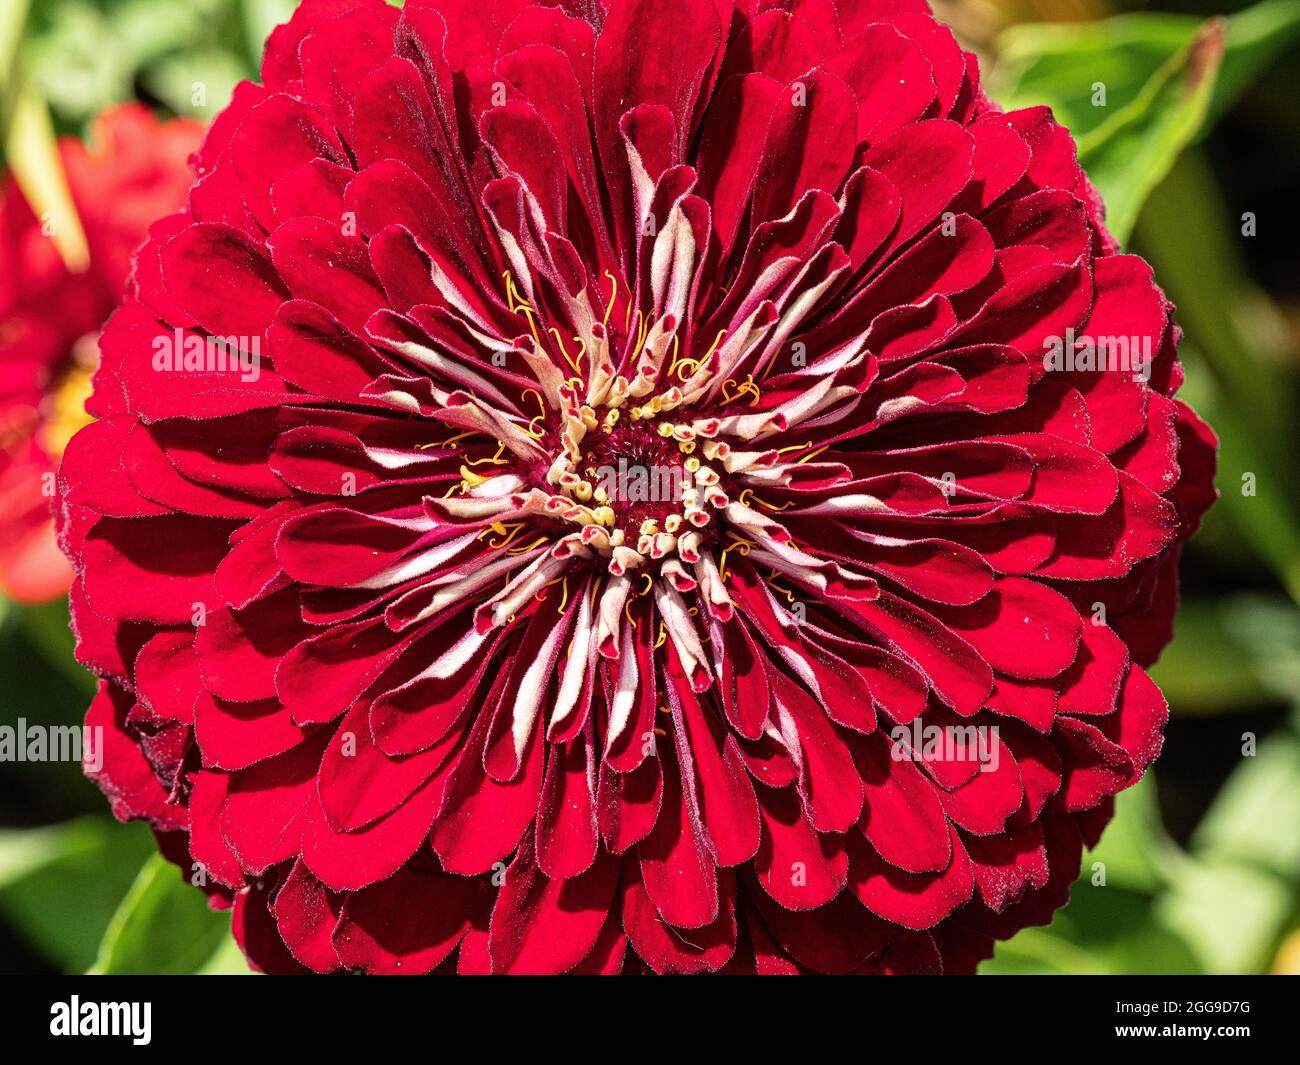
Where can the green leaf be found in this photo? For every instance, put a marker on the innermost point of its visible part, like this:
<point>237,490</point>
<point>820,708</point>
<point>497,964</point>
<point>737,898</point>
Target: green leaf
<point>162,926</point>
<point>1060,64</point>
<point>1037,952</point>
<point>1256,37</point>
<point>1117,926</point>
<point>1063,64</point>
<point>60,885</point>
<point>1254,817</point>
<point>1231,654</point>
<point>226,960</point>
<point>32,155</point>
<point>1128,154</point>
<point>260,17</point>
<point>12,19</point>
<point>1231,915</point>
<point>87,55</point>
<point>1135,89</point>
<point>1134,843</point>
<point>174,80</point>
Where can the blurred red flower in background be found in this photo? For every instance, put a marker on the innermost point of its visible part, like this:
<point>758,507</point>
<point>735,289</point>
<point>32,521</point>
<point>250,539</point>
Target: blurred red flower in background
<point>133,172</point>
<point>375,624</point>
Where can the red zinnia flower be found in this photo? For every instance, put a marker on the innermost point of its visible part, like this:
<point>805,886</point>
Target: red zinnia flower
<point>650,417</point>
<point>50,317</point>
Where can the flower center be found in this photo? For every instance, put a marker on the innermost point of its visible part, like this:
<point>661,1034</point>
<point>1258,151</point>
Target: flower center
<point>65,408</point>
<point>641,481</point>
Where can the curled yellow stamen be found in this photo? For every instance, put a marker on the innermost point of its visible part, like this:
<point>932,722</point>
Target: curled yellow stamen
<point>563,350</point>
<point>737,544</point>
<point>524,549</point>
<point>743,388</point>
<point>771,583</point>
<point>613,295</point>
<point>748,494</point>
<point>518,305</point>
<point>495,460</point>
<point>541,403</point>
<point>642,331</point>
<point>450,442</point>
<point>514,298</point>
<point>501,530</point>
<point>768,368</point>
<point>672,359</point>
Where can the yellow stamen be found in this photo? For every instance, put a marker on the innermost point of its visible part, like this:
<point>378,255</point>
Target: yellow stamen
<point>672,361</point>
<point>564,351</point>
<point>541,403</point>
<point>514,299</point>
<point>748,494</point>
<point>738,543</point>
<point>613,295</point>
<point>747,387</point>
<point>501,530</point>
<point>521,550</point>
<point>771,583</point>
<point>642,330</point>
<point>495,460</point>
<point>450,442</point>
<point>67,411</point>
<point>517,304</point>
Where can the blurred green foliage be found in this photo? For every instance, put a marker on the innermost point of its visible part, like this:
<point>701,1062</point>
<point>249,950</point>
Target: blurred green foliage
<point>1200,870</point>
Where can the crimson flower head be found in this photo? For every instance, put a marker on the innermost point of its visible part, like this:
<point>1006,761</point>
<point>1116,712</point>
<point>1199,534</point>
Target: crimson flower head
<point>51,312</point>
<point>646,485</point>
